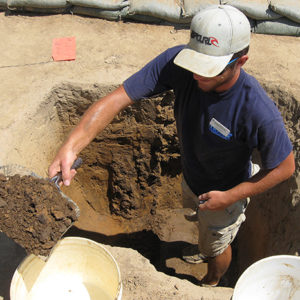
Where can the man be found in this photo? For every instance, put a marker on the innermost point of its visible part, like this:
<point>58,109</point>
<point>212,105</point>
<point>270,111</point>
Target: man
<point>221,114</point>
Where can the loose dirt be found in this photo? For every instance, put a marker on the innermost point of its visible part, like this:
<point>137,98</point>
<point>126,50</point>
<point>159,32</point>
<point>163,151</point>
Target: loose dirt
<point>33,212</point>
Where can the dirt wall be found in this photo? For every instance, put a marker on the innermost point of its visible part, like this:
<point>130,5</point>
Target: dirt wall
<point>133,166</point>
<point>272,221</point>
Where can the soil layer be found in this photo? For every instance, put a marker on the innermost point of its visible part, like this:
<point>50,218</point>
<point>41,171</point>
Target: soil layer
<point>33,212</point>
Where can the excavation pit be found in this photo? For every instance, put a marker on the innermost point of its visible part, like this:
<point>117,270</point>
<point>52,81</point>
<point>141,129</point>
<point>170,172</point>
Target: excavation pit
<point>129,186</point>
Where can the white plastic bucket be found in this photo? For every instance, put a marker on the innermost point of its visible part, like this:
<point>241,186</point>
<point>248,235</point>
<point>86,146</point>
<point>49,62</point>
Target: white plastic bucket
<point>77,268</point>
<point>271,278</point>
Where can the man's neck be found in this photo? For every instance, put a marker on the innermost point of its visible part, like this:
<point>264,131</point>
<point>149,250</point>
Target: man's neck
<point>229,82</point>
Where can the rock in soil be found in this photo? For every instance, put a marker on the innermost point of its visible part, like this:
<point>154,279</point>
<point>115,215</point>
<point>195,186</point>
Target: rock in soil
<point>33,212</point>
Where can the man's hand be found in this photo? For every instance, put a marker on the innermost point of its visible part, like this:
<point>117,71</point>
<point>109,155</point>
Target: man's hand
<point>214,200</point>
<point>63,163</point>
<point>259,183</point>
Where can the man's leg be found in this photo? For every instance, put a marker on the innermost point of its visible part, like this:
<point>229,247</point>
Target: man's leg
<point>217,267</point>
<point>191,253</point>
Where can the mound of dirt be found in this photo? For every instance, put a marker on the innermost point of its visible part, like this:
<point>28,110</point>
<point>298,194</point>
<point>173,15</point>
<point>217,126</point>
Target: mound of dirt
<point>33,212</point>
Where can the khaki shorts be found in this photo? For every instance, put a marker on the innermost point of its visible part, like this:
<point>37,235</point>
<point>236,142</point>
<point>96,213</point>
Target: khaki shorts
<point>217,229</point>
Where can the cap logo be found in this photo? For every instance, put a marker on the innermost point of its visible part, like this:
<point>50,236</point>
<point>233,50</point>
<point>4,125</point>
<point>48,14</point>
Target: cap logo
<point>207,40</point>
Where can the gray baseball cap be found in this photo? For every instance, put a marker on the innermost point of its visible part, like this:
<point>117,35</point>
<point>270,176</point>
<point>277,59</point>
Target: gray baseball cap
<point>216,33</point>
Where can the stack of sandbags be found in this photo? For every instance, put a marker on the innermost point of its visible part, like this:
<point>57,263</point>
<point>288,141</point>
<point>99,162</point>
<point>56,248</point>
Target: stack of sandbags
<point>152,11</point>
<point>3,4</point>
<point>281,17</point>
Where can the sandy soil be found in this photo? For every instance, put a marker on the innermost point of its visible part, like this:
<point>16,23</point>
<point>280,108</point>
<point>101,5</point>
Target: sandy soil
<point>107,53</point>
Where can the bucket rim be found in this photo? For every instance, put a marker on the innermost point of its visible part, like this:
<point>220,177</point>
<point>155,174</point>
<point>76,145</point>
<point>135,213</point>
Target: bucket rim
<point>31,257</point>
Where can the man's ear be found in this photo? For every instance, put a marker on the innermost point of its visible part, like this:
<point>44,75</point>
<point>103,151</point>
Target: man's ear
<point>242,60</point>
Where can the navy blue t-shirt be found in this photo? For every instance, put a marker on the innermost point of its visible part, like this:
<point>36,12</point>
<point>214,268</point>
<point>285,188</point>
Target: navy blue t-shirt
<point>217,131</point>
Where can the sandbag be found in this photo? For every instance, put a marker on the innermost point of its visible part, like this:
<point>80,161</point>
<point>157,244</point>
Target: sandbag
<point>3,4</point>
<point>45,11</point>
<point>282,26</point>
<point>37,3</point>
<point>287,8</point>
<point>255,9</point>
<point>112,15</point>
<point>144,19</point>
<point>103,4</point>
<point>169,10</point>
<point>191,7</point>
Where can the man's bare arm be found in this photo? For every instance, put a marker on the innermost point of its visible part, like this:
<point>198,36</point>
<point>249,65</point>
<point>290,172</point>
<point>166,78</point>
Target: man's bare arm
<point>259,183</point>
<point>94,120</point>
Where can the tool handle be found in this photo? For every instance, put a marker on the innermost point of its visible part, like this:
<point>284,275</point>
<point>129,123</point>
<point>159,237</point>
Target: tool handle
<point>58,178</point>
<point>77,163</point>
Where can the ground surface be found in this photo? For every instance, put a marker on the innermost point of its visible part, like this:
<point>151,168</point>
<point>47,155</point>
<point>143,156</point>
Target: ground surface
<point>107,53</point>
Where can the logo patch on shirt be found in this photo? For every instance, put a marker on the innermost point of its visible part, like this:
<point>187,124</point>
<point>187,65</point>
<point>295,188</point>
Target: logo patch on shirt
<point>219,129</point>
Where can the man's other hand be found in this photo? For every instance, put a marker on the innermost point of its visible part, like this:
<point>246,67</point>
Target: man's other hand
<point>214,200</point>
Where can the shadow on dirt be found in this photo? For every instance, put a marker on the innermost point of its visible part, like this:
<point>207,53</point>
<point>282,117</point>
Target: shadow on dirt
<point>146,243</point>
<point>151,247</point>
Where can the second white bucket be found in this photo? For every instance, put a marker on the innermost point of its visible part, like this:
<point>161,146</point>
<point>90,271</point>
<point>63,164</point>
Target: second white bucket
<point>77,268</point>
<point>272,278</point>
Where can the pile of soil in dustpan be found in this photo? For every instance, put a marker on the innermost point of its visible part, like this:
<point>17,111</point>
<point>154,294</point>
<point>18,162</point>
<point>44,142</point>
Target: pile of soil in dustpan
<point>33,212</point>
